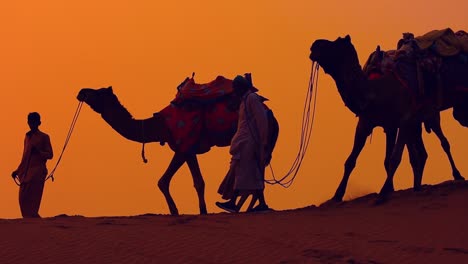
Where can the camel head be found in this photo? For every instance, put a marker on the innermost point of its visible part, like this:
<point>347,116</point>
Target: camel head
<point>333,55</point>
<point>96,98</point>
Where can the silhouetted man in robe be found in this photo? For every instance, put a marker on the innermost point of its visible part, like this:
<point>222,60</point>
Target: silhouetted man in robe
<point>248,150</point>
<point>32,169</point>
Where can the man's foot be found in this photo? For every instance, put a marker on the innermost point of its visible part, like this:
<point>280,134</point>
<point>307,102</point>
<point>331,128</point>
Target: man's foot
<point>227,206</point>
<point>261,208</point>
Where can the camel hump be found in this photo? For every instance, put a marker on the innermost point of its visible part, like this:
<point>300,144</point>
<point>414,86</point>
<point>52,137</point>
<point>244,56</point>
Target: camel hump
<point>191,91</point>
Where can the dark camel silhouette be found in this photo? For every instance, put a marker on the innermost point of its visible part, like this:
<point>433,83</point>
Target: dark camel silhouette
<point>431,122</point>
<point>383,102</point>
<point>153,129</point>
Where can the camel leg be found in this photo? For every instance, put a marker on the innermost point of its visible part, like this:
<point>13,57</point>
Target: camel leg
<point>363,130</point>
<point>390,136</point>
<point>418,156</point>
<point>435,125</point>
<point>393,164</point>
<point>198,182</point>
<point>165,180</point>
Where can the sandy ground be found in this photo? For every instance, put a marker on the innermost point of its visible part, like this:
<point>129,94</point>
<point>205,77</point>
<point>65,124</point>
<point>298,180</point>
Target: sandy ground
<point>423,227</point>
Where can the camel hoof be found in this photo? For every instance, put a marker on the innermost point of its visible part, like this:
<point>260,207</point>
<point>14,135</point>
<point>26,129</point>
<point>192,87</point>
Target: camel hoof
<point>175,213</point>
<point>458,177</point>
<point>382,199</point>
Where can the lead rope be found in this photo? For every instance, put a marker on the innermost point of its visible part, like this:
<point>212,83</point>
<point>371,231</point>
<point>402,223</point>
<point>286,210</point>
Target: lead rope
<point>72,126</point>
<point>308,116</point>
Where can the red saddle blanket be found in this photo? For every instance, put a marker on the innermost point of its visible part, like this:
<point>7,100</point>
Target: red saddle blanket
<point>207,92</point>
<point>201,113</point>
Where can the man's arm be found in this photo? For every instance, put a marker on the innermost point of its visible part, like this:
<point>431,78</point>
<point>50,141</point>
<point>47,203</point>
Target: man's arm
<point>46,152</point>
<point>23,159</point>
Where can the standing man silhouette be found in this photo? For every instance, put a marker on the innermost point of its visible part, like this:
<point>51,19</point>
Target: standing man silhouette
<point>32,169</point>
<point>248,150</point>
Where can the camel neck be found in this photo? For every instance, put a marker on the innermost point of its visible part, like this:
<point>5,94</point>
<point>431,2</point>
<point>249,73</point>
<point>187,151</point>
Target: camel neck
<point>139,130</point>
<point>352,86</point>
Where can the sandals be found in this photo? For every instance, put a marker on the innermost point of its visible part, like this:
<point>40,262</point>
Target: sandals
<point>227,206</point>
<point>260,208</point>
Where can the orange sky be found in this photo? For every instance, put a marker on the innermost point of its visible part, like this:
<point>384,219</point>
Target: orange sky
<point>51,49</point>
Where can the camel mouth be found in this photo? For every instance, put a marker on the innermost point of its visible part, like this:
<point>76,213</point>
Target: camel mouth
<point>314,57</point>
<point>315,49</point>
<point>83,94</point>
<point>81,97</point>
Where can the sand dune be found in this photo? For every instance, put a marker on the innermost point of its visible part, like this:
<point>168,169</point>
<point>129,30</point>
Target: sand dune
<point>424,227</point>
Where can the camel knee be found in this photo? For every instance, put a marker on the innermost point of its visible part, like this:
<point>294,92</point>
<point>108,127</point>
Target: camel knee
<point>394,161</point>
<point>386,164</point>
<point>445,144</point>
<point>163,185</point>
<point>199,185</point>
<point>350,164</point>
<point>424,156</point>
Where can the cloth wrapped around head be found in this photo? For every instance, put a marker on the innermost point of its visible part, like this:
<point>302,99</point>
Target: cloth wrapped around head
<point>241,84</point>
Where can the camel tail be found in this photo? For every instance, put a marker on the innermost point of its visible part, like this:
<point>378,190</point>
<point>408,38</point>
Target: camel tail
<point>427,127</point>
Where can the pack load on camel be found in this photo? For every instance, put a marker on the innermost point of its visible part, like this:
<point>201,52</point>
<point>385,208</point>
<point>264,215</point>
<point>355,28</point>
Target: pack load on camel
<point>424,63</point>
<point>210,109</point>
<point>442,42</point>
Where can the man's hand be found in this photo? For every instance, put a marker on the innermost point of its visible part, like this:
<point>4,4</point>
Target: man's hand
<point>14,174</point>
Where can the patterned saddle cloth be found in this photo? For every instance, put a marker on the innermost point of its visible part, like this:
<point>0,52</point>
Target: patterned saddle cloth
<point>201,113</point>
<point>191,92</point>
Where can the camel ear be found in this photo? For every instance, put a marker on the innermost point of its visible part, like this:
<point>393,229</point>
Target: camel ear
<point>378,48</point>
<point>110,88</point>
<point>348,38</point>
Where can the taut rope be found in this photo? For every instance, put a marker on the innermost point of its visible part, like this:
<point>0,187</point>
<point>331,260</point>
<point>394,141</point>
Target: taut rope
<point>308,116</point>
<point>72,126</point>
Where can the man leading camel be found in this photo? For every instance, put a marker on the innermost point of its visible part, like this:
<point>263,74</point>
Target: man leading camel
<point>32,170</point>
<point>249,151</point>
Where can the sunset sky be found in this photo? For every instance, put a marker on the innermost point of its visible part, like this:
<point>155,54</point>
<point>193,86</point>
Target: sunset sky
<point>144,49</point>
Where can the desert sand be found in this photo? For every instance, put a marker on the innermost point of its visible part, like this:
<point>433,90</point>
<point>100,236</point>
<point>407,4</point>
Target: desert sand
<point>414,227</point>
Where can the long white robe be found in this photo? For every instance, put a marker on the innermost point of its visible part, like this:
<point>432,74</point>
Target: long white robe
<point>249,144</point>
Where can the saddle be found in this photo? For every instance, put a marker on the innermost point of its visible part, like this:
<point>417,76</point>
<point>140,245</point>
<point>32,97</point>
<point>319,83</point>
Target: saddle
<point>417,58</point>
<point>206,93</point>
<point>201,114</point>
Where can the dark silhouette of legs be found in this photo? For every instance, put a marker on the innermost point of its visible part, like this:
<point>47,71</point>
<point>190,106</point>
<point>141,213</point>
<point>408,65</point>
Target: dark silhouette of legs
<point>363,130</point>
<point>165,180</point>
<point>198,182</point>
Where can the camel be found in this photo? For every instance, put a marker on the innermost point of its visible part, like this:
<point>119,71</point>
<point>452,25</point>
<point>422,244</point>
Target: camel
<point>154,129</point>
<point>383,102</point>
<point>373,65</point>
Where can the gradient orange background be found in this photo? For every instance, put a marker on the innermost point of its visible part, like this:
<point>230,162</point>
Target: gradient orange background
<point>51,49</point>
